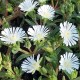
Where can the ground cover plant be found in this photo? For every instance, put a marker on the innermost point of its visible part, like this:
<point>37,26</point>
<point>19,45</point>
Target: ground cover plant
<point>39,39</point>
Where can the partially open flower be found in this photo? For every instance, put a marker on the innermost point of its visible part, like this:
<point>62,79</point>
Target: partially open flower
<point>30,65</point>
<point>28,5</point>
<point>12,35</point>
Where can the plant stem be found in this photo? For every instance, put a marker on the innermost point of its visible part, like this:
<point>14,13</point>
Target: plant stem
<point>30,51</point>
<point>35,50</point>
<point>23,51</point>
<point>8,51</point>
<point>36,21</point>
<point>6,12</point>
<point>45,20</point>
<point>57,69</point>
<point>56,4</point>
<point>52,2</point>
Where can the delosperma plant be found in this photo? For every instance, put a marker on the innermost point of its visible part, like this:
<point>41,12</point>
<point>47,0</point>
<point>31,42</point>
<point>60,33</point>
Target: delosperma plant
<point>39,40</point>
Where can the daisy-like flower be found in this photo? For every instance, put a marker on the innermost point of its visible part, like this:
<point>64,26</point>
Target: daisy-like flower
<point>38,32</point>
<point>69,62</point>
<point>28,5</point>
<point>68,33</point>
<point>12,35</point>
<point>46,11</point>
<point>30,65</point>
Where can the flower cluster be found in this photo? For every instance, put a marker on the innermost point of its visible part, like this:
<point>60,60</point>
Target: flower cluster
<point>50,40</point>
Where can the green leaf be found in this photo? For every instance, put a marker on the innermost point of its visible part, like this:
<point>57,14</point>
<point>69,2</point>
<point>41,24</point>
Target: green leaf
<point>43,71</point>
<point>21,57</point>
<point>5,24</point>
<point>68,75</point>
<point>1,66</point>
<point>2,74</point>
<point>63,78</point>
<point>48,49</point>
<point>74,74</point>
<point>0,58</point>
<point>66,48</point>
<point>30,22</point>
<point>78,78</point>
<point>40,78</point>
<point>48,59</point>
<point>27,44</point>
<point>9,8</point>
<point>53,77</point>
<point>15,48</point>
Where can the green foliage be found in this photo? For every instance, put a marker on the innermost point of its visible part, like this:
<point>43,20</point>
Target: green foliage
<point>15,48</point>
<point>74,75</point>
<point>5,23</point>
<point>10,8</point>
<point>27,44</point>
<point>67,8</point>
<point>77,78</point>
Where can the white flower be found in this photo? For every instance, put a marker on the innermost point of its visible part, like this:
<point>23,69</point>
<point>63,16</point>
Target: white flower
<point>38,32</point>
<point>28,5</point>
<point>12,35</point>
<point>30,65</point>
<point>69,62</point>
<point>46,11</point>
<point>68,33</point>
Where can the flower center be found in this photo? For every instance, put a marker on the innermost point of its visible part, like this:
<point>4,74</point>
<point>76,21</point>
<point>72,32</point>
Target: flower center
<point>39,36</point>
<point>47,14</point>
<point>36,65</point>
<point>67,64</point>
<point>13,38</point>
<point>67,34</point>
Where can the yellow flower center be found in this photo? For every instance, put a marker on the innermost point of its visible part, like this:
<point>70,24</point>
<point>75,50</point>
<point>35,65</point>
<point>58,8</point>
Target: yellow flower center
<point>36,65</point>
<point>67,64</point>
<point>67,34</point>
<point>13,37</point>
<point>47,14</point>
<point>39,36</point>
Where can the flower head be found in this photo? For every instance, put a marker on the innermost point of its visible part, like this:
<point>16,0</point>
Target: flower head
<point>38,32</point>
<point>28,5</point>
<point>30,65</point>
<point>69,62</point>
<point>46,11</point>
<point>68,33</point>
<point>12,35</point>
